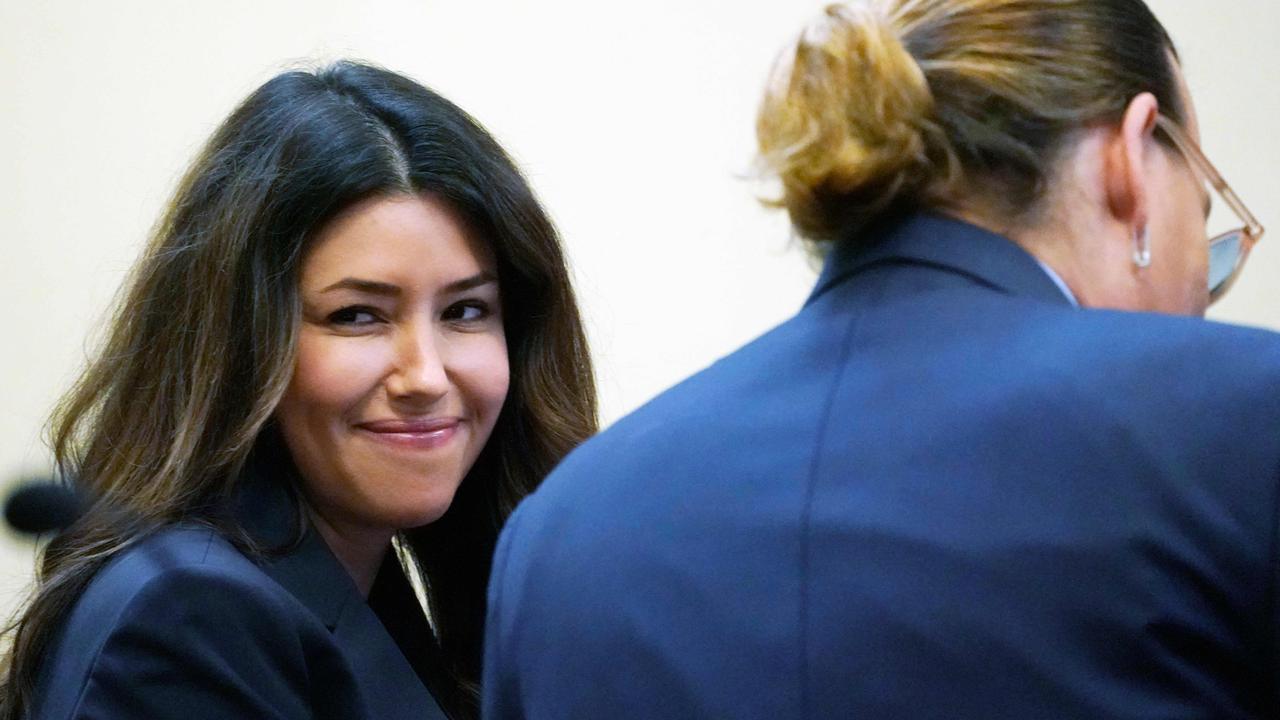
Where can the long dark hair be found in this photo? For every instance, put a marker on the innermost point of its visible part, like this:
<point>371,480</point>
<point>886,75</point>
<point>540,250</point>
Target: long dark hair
<point>201,348</point>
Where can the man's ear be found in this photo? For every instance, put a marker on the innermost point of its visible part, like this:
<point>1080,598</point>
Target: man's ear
<point>1128,182</point>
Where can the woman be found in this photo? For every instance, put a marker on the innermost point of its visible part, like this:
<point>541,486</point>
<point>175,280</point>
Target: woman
<point>941,490</point>
<point>348,352</point>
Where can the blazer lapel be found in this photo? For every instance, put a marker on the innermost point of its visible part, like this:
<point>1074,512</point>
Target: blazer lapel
<point>391,688</point>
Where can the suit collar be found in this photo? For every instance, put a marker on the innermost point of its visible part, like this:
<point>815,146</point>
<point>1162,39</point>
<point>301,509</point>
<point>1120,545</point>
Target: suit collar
<point>267,509</point>
<point>391,687</point>
<point>294,554</point>
<point>943,242</point>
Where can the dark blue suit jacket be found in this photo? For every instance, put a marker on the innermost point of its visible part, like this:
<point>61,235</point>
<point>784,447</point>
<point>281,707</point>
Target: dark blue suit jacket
<point>182,625</point>
<point>940,491</point>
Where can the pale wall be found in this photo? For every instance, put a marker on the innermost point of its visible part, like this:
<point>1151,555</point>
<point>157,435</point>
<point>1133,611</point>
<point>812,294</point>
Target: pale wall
<point>633,121</point>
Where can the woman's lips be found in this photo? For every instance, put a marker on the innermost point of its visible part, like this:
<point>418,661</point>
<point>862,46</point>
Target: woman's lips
<point>422,434</point>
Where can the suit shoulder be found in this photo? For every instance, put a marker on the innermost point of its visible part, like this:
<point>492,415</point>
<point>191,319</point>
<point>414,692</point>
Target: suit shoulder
<point>1235,358</point>
<point>1179,329</point>
<point>181,584</point>
<point>787,363</point>
<point>175,601</point>
<point>210,607</point>
<point>756,410</point>
<point>172,561</point>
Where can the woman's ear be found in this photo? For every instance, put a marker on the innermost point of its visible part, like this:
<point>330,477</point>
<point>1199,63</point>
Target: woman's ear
<point>1126,174</point>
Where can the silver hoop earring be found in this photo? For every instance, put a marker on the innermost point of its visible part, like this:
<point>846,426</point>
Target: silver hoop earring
<point>1142,248</point>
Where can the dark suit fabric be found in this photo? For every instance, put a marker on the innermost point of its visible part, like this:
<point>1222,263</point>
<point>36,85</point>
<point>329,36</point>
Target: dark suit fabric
<point>183,625</point>
<point>939,491</point>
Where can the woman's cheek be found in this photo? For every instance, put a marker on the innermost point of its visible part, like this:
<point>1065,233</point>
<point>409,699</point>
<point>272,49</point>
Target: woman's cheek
<point>480,363</point>
<point>338,369</point>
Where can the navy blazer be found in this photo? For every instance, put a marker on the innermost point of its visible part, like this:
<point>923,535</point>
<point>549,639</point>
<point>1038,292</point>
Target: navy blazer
<point>939,491</point>
<point>182,625</point>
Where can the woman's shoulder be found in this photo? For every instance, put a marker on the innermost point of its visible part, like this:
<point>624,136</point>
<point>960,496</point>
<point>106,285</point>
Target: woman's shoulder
<point>174,561</point>
<point>181,607</point>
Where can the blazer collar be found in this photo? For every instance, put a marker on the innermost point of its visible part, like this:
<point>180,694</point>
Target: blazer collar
<point>265,507</point>
<point>943,242</point>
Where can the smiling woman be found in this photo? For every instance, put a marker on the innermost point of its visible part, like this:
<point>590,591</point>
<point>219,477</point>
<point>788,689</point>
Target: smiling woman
<point>349,350</point>
<point>400,376</point>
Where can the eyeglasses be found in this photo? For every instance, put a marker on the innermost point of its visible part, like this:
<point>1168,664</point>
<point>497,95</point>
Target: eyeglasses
<point>1228,250</point>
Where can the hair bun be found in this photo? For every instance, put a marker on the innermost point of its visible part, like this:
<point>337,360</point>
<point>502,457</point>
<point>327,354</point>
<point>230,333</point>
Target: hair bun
<point>844,121</point>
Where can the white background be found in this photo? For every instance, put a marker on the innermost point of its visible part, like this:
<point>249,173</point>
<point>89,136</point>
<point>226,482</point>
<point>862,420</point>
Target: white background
<point>633,121</point>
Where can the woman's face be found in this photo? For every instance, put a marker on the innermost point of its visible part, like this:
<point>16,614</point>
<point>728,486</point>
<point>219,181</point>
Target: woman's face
<point>401,365</point>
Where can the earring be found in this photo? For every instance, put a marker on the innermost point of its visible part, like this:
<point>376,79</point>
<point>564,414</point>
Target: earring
<point>1142,248</point>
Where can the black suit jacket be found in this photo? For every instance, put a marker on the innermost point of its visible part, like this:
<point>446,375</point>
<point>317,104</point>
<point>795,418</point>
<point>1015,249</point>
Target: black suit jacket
<point>183,625</point>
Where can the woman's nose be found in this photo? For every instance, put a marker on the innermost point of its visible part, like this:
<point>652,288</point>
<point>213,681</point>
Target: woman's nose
<point>419,367</point>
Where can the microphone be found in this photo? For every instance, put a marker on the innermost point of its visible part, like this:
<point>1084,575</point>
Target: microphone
<point>37,507</point>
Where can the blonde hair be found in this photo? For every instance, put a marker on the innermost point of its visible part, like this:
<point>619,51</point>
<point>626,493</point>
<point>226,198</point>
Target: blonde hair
<point>885,104</point>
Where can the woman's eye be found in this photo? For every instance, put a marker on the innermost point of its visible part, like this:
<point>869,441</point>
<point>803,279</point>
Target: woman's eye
<point>355,315</point>
<point>468,311</point>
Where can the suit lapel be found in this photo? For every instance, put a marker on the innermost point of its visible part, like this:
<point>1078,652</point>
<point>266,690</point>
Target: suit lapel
<point>390,687</point>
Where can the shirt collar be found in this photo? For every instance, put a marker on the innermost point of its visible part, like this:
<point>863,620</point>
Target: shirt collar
<point>1057,280</point>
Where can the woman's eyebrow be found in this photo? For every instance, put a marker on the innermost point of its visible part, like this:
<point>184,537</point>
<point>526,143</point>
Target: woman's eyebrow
<point>367,286</point>
<point>481,278</point>
<point>376,287</point>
